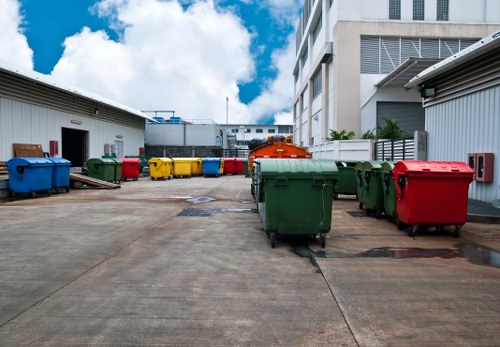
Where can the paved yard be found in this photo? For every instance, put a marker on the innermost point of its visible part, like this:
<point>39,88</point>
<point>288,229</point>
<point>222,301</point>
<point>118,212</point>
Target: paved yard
<point>122,267</point>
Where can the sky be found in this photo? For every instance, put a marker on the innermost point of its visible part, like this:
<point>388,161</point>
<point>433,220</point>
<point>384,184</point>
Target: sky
<point>193,57</point>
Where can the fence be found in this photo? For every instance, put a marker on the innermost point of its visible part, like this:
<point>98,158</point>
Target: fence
<point>395,150</point>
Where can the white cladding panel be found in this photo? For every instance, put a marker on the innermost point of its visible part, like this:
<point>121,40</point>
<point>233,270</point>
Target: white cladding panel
<point>469,124</point>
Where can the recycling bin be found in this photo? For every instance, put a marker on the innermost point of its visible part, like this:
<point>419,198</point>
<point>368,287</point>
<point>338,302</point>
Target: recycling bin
<point>295,196</point>
<point>160,168</point>
<point>373,194</point>
<point>143,161</point>
<point>246,171</point>
<point>117,173</point>
<point>358,170</point>
<point>389,190</point>
<point>432,194</point>
<point>29,175</point>
<point>211,167</point>
<point>238,166</point>
<point>60,173</point>
<point>229,166</point>
<point>181,167</point>
<point>347,183</point>
<point>130,168</point>
<point>101,168</point>
<point>196,167</point>
<point>221,169</point>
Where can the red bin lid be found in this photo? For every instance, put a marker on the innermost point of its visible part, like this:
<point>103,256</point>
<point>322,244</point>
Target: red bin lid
<point>435,167</point>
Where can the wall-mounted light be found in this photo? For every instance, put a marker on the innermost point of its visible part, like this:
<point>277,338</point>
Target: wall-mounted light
<point>427,92</point>
<point>96,111</point>
<point>76,121</point>
<point>119,136</point>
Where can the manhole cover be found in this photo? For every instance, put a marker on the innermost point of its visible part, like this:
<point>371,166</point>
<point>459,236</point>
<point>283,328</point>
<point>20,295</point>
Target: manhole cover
<point>197,212</point>
<point>356,213</point>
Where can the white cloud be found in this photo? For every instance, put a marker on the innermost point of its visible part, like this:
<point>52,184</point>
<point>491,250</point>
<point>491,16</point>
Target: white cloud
<point>13,44</point>
<point>283,118</point>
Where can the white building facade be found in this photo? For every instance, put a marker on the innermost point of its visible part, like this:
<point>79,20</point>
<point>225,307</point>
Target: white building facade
<point>247,132</point>
<point>353,58</point>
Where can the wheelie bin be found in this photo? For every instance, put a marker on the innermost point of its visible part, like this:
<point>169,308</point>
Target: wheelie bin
<point>238,166</point>
<point>60,173</point>
<point>221,169</point>
<point>130,168</point>
<point>196,167</point>
<point>160,168</point>
<point>347,183</point>
<point>295,196</point>
<point>117,170</point>
<point>389,190</point>
<point>246,172</point>
<point>101,168</point>
<point>29,175</point>
<point>229,166</point>
<point>432,194</point>
<point>181,167</point>
<point>211,167</point>
<point>358,169</point>
<point>373,194</point>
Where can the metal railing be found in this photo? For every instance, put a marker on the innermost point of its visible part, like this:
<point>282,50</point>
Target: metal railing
<point>394,150</point>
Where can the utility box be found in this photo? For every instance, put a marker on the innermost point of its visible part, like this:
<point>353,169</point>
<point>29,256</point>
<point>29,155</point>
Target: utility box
<point>482,165</point>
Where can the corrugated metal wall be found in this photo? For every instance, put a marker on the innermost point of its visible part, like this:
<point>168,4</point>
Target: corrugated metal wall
<point>469,124</point>
<point>22,122</point>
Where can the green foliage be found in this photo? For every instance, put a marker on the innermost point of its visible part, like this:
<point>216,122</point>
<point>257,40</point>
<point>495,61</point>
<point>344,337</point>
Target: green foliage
<point>369,135</point>
<point>391,130</point>
<point>342,135</point>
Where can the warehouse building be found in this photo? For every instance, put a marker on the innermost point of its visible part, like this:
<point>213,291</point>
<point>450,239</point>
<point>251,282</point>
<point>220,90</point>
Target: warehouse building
<point>461,98</point>
<point>353,58</point>
<point>66,121</point>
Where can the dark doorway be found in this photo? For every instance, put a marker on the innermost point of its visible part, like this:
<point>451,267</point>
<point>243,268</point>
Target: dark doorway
<point>74,146</point>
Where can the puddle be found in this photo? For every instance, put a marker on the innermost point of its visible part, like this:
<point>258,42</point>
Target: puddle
<point>200,200</point>
<point>473,253</point>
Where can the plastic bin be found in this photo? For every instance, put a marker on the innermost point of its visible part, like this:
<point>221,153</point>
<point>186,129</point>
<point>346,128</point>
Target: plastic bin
<point>181,167</point>
<point>432,194</point>
<point>160,168</point>
<point>295,196</point>
<point>211,167</point>
<point>130,168</point>
<point>246,172</point>
<point>389,190</point>
<point>373,194</point>
<point>229,166</point>
<point>196,167</point>
<point>238,166</point>
<point>221,169</point>
<point>60,173</point>
<point>358,170</point>
<point>143,161</point>
<point>347,183</point>
<point>29,175</point>
<point>101,168</point>
<point>117,173</point>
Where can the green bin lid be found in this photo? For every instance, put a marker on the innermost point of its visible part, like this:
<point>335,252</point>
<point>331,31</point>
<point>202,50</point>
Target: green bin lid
<point>296,168</point>
<point>105,161</point>
<point>387,166</point>
<point>372,165</point>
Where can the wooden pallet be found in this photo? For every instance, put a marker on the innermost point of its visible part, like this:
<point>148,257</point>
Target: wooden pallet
<point>3,168</point>
<point>93,182</point>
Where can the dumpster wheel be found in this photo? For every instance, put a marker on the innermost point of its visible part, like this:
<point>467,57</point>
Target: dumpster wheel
<point>400,225</point>
<point>456,232</point>
<point>272,236</point>
<point>412,230</point>
<point>322,240</point>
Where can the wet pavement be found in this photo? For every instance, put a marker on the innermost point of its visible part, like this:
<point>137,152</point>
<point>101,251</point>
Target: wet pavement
<point>142,265</point>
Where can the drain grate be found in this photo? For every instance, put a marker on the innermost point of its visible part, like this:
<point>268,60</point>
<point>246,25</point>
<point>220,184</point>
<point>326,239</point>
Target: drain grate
<point>356,213</point>
<point>197,212</point>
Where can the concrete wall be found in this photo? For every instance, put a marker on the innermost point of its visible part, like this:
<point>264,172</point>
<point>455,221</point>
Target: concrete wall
<point>182,134</point>
<point>21,122</point>
<point>343,150</point>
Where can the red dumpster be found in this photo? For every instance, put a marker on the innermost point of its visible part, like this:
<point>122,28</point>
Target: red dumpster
<point>431,194</point>
<point>130,168</point>
<point>239,168</point>
<point>229,165</point>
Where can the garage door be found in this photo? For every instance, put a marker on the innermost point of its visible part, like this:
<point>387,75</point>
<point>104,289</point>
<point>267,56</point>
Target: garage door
<point>410,115</point>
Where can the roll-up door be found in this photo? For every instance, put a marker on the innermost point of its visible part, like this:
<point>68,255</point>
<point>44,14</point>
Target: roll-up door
<point>410,115</point>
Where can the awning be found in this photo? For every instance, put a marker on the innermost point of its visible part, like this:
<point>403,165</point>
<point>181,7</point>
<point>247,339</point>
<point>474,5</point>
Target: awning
<point>406,71</point>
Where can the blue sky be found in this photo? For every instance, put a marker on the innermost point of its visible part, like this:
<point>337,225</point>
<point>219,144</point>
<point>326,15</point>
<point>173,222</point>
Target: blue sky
<point>204,51</point>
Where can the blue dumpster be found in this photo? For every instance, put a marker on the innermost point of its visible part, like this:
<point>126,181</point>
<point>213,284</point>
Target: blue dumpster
<point>29,175</point>
<point>211,166</point>
<point>60,173</point>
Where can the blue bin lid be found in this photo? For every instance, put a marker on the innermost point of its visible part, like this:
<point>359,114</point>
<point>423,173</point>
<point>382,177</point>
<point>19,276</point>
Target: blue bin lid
<point>210,159</point>
<point>60,161</point>
<point>15,162</point>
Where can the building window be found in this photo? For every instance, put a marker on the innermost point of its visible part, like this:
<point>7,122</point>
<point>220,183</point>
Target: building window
<point>442,10</point>
<point>271,131</point>
<point>234,130</point>
<point>258,131</point>
<point>247,130</point>
<point>395,9</point>
<point>418,9</point>
<point>317,28</point>
<point>317,83</point>
<point>303,59</point>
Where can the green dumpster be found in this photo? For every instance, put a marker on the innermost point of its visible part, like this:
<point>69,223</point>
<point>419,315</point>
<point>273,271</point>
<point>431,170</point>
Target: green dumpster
<point>117,170</point>
<point>389,190</point>
<point>358,170</point>
<point>347,183</point>
<point>245,167</point>
<point>295,196</point>
<point>101,168</point>
<point>373,193</point>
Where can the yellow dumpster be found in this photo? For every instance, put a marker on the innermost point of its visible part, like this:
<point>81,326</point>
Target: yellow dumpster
<point>160,168</point>
<point>181,167</point>
<point>196,167</point>
<point>221,166</point>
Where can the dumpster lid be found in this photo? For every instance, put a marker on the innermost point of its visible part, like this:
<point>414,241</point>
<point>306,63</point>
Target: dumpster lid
<point>211,159</point>
<point>130,160</point>
<point>183,160</point>
<point>29,162</point>
<point>160,159</point>
<point>372,165</point>
<point>419,166</point>
<point>106,161</point>
<point>297,167</point>
<point>388,166</point>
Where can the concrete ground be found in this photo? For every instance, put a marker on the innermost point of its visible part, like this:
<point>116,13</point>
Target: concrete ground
<point>122,267</point>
